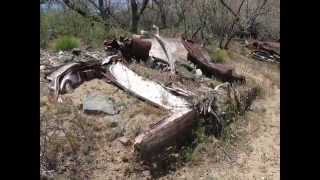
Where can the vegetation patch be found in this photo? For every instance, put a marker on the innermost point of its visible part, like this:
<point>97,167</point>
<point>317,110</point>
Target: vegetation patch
<point>65,43</point>
<point>219,56</point>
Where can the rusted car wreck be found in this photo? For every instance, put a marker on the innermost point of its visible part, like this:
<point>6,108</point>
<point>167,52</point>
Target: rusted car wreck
<point>265,51</point>
<point>185,104</point>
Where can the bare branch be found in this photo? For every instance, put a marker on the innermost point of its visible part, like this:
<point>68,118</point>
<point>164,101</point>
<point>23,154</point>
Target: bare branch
<point>72,6</point>
<point>144,5</point>
<point>109,13</point>
<point>94,4</point>
<point>257,13</point>
<point>239,9</point>
<point>228,7</point>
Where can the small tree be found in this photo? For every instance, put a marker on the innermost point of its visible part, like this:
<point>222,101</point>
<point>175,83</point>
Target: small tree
<point>162,11</point>
<point>88,8</point>
<point>136,13</point>
<point>243,23</point>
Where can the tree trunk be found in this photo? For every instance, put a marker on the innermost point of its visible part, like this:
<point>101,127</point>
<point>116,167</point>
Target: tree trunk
<point>134,16</point>
<point>136,13</point>
<point>162,12</point>
<point>163,19</point>
<point>134,23</point>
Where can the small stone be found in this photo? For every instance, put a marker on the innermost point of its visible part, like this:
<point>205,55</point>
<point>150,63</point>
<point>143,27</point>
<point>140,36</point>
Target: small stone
<point>114,124</point>
<point>42,67</point>
<point>124,159</point>
<point>176,155</point>
<point>112,121</point>
<point>125,141</point>
<point>146,173</point>
<point>65,58</point>
<point>99,104</point>
<point>76,51</point>
<point>198,72</point>
<point>115,133</point>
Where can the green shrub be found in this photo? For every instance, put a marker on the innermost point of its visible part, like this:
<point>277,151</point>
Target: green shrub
<point>67,23</point>
<point>219,56</point>
<point>66,43</point>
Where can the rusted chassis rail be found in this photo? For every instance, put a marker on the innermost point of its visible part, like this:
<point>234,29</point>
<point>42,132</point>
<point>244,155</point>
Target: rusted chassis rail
<point>165,132</point>
<point>197,56</point>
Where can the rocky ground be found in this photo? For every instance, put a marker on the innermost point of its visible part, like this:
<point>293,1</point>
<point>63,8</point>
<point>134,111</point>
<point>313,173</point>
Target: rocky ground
<point>82,145</point>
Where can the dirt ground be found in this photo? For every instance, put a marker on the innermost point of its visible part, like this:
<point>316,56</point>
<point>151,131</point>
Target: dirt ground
<point>249,149</point>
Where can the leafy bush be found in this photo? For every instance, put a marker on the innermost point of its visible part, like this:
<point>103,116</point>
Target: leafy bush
<point>66,43</point>
<point>219,56</point>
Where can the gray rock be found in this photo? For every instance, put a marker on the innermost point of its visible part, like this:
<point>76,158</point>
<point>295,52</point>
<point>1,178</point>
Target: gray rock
<point>42,67</point>
<point>198,72</point>
<point>99,104</point>
<point>256,107</point>
<point>125,141</point>
<point>146,173</point>
<point>65,58</point>
<point>76,51</point>
<point>115,133</point>
<point>124,158</point>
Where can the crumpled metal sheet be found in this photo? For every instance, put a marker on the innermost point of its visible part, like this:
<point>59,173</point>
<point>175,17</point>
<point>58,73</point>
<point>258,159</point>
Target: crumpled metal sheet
<point>148,90</point>
<point>181,113</point>
<point>72,75</point>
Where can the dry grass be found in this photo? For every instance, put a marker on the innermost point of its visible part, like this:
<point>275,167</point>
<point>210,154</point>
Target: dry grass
<point>248,148</point>
<point>76,144</point>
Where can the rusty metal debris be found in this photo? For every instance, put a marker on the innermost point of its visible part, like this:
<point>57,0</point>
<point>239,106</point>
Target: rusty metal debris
<point>184,105</point>
<point>265,51</point>
<point>172,51</point>
<point>130,48</point>
<point>181,112</point>
<point>198,56</point>
<point>72,75</point>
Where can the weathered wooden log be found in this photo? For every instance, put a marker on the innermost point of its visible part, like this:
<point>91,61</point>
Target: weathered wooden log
<point>200,57</point>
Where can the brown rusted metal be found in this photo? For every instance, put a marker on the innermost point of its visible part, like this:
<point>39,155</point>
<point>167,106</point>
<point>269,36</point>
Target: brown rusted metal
<point>140,49</point>
<point>266,51</point>
<point>73,74</point>
<point>130,48</point>
<point>271,47</point>
<point>200,57</point>
<point>165,132</point>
